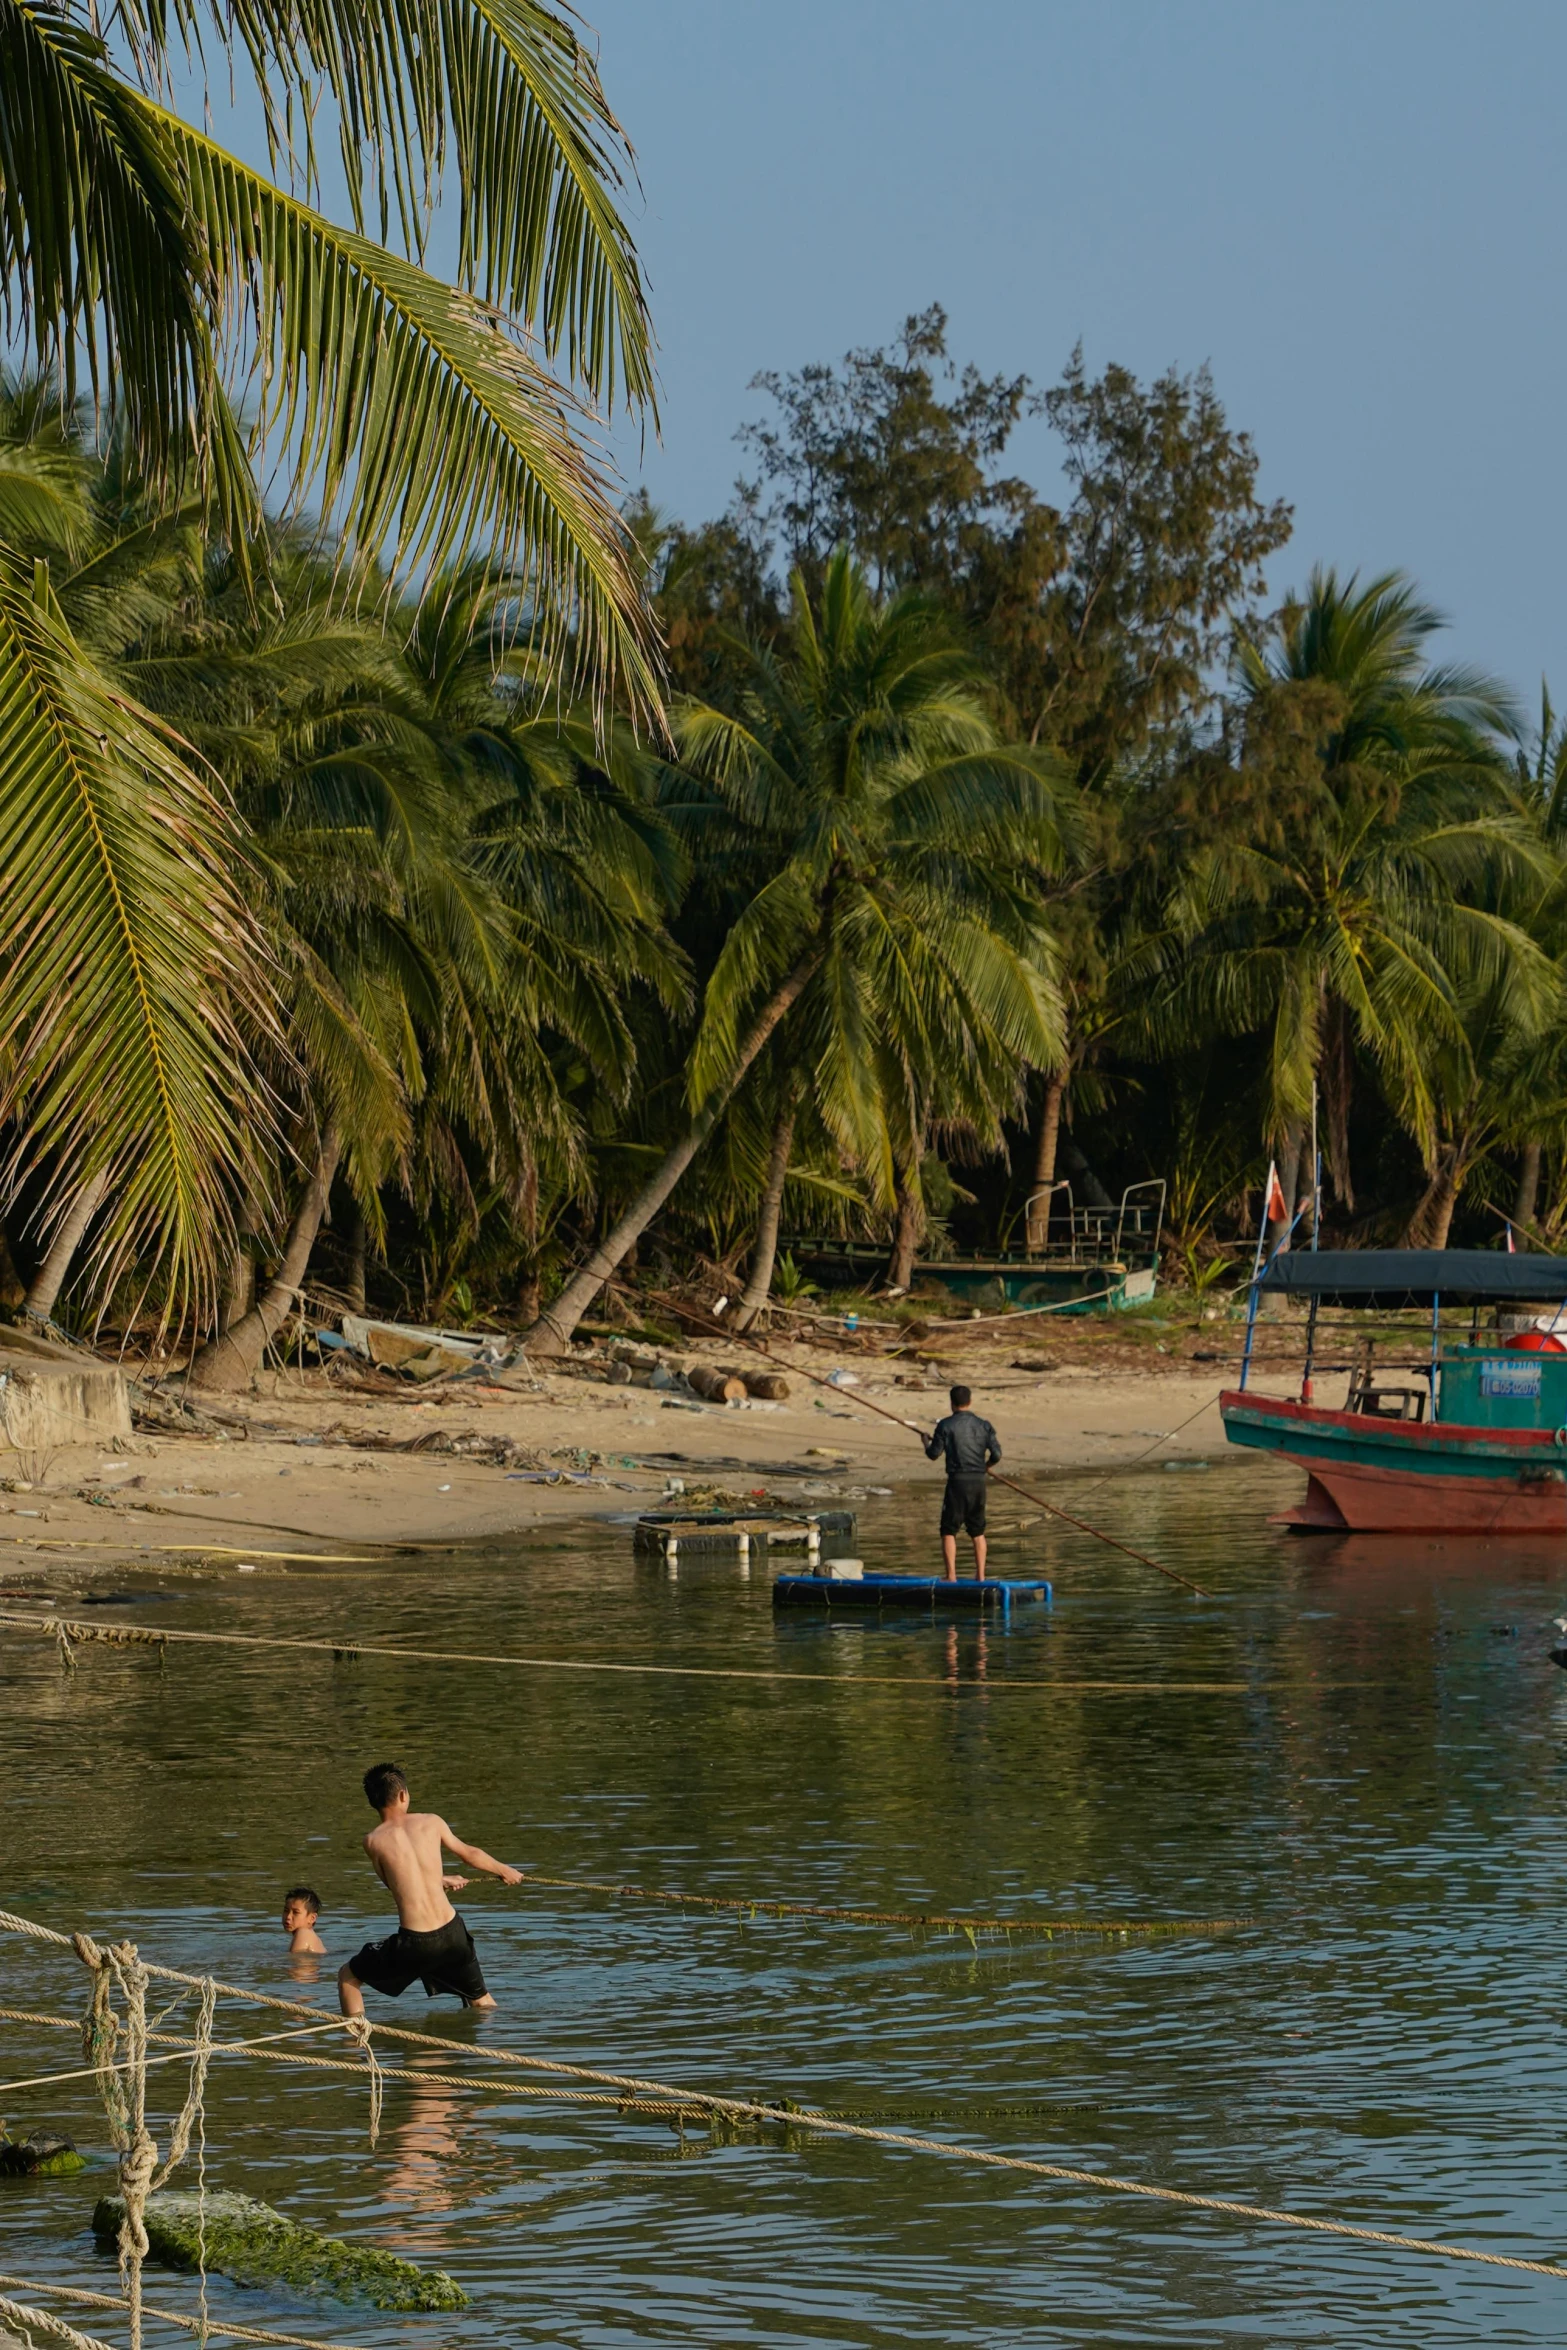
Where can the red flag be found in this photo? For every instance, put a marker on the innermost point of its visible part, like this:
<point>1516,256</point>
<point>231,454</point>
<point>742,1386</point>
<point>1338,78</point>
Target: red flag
<point>1275,1211</point>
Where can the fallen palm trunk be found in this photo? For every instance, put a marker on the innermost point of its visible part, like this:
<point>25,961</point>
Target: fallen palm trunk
<point>256,2245</point>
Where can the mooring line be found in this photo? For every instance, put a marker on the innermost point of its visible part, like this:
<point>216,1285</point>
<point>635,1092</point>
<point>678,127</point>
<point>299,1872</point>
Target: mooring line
<point>955,1922</point>
<point>92,2072</point>
<point>204,2325</point>
<point>827,2125</point>
<point>349,1645</point>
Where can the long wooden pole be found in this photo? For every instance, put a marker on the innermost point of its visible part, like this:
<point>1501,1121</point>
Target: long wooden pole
<point>1038,1499</point>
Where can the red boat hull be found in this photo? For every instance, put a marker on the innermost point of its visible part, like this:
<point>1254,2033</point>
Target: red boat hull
<point>1393,1501</point>
<point>1374,1476</point>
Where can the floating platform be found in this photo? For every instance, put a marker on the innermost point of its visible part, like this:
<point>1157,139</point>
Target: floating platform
<point>904,1591</point>
<point>666,1531</point>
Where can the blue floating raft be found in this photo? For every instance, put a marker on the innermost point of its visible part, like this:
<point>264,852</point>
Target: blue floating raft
<point>923,1591</point>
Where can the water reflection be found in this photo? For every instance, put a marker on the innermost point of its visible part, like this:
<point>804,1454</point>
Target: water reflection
<point>1370,1770</point>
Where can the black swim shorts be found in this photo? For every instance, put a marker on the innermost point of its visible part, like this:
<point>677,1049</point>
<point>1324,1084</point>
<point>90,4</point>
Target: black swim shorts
<point>442,1961</point>
<point>963,1510</point>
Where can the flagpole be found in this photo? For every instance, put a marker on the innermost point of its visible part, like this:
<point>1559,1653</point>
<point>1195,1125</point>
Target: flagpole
<point>1256,1268</point>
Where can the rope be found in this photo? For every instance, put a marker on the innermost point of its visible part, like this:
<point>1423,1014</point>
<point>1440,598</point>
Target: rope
<point>799,2117</point>
<point>19,2015</point>
<point>213,1550</point>
<point>561,1664</point>
<point>169,2317</point>
<point>795,2117</point>
<point>18,2314</point>
<point>358,2028</point>
<point>753,1906</point>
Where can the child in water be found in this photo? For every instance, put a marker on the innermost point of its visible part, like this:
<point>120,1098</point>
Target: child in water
<point>301,1908</point>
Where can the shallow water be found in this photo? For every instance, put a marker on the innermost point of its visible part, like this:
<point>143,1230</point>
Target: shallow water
<point>1379,1789</point>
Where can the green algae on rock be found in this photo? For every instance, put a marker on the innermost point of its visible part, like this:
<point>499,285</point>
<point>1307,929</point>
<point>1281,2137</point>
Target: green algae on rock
<point>255,2245</point>
<point>39,2157</point>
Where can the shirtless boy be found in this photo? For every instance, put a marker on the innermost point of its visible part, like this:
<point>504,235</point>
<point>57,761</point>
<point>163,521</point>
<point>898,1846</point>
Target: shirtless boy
<point>431,1944</point>
<point>301,1908</point>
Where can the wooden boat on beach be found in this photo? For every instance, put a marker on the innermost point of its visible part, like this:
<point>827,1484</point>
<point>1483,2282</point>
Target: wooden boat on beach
<point>1473,1441</point>
<point>1083,1260</point>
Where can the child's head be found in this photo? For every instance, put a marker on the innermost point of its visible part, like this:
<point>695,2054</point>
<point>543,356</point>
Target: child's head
<point>384,1784</point>
<point>301,1907</point>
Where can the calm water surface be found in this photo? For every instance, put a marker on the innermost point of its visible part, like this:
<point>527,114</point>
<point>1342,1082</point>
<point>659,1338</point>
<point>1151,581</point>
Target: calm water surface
<point>1380,1794</point>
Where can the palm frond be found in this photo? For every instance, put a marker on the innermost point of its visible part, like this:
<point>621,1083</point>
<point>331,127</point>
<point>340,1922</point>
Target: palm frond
<point>132,971</point>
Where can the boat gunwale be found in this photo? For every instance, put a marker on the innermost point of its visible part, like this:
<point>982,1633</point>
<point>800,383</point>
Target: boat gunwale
<point>1434,1436</point>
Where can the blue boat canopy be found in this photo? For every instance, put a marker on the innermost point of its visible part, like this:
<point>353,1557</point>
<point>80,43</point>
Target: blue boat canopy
<point>1387,1278</point>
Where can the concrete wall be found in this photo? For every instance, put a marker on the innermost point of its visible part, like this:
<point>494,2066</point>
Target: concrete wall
<point>45,1405</point>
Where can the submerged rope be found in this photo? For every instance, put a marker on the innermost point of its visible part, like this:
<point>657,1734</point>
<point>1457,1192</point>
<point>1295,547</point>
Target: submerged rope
<point>51,1626</point>
<point>828,2125</point>
<point>955,1922</point>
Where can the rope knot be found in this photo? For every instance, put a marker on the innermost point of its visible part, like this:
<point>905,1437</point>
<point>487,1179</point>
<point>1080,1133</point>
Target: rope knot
<point>359,2028</point>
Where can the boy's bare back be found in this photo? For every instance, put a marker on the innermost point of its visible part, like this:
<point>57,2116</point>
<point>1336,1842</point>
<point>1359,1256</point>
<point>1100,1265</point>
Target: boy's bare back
<point>405,1853</point>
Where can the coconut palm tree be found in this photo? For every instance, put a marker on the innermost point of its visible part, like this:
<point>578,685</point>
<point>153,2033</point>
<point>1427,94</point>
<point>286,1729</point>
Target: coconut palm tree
<point>450,888</point>
<point>145,260</point>
<point>1345,897</point>
<point>873,856</point>
<point>132,973</point>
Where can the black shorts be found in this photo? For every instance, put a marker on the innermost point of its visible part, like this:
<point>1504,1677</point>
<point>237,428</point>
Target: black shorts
<point>442,1961</point>
<point>963,1509</point>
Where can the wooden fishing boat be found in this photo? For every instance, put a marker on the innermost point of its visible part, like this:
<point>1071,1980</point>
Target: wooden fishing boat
<point>1472,1441</point>
<point>1088,1260</point>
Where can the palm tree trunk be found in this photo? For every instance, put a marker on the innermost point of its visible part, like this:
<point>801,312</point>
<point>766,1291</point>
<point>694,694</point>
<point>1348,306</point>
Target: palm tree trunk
<point>906,1230</point>
<point>356,1261</point>
<point>551,1332</point>
<point>759,1277</point>
<point>49,1279</point>
<point>1432,1220</point>
<point>1528,1193</point>
<point>232,1360</point>
<point>239,1292</point>
<point>1045,1148</point>
<point>1289,1182</point>
<point>529,1298</point>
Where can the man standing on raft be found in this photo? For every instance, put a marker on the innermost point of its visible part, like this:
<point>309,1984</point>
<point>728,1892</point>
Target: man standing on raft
<point>431,1944</point>
<point>970,1444</point>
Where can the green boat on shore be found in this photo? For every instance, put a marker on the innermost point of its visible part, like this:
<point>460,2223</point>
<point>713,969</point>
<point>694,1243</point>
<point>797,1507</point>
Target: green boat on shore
<point>1088,1260</point>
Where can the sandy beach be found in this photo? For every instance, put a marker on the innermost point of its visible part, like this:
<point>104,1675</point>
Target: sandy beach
<point>306,1463</point>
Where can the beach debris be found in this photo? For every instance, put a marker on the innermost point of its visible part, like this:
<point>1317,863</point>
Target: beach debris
<point>716,1386</point>
<point>255,2245</point>
<point>43,2155</point>
<point>419,1353</point>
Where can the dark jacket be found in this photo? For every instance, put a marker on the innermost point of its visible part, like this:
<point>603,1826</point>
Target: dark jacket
<point>969,1443</point>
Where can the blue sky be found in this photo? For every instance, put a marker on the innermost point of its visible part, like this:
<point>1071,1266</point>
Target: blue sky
<point>1356,213</point>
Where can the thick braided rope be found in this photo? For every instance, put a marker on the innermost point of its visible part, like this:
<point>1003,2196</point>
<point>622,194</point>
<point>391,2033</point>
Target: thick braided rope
<point>168,2317</point>
<point>16,2313</point>
<point>638,2095</point>
<point>826,2125</point>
